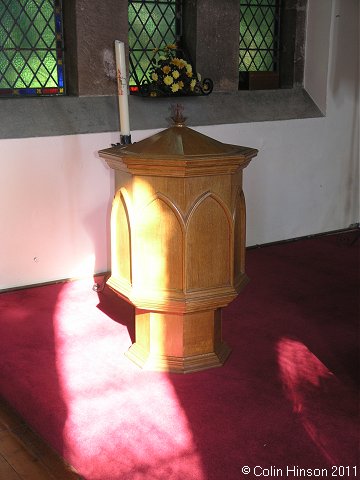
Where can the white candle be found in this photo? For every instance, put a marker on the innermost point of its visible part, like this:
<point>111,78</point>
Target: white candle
<point>122,87</point>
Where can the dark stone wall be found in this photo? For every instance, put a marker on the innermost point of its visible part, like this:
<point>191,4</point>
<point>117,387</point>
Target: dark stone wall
<point>211,36</point>
<point>217,42</point>
<point>70,40</point>
<point>292,34</point>
<point>90,29</point>
<point>299,55</point>
<point>190,29</point>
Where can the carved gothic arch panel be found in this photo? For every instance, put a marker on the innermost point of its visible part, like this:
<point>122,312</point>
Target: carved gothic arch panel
<point>121,250</point>
<point>159,244</point>
<point>209,244</point>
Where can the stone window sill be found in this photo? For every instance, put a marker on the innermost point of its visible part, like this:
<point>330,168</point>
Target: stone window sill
<point>52,116</point>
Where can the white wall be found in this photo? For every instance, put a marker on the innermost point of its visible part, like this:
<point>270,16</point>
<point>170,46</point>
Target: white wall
<point>56,192</point>
<point>55,203</point>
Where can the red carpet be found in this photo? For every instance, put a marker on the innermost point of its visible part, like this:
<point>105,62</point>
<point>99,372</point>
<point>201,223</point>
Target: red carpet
<point>286,400</point>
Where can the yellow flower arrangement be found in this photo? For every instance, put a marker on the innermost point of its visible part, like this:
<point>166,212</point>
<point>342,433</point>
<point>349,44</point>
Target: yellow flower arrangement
<point>168,80</point>
<point>171,75</point>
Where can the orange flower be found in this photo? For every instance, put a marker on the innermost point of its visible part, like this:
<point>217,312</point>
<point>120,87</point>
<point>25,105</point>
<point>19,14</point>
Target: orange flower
<point>178,62</point>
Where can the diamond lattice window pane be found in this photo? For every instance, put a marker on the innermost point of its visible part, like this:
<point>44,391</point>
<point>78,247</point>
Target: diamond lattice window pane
<point>31,47</point>
<point>259,20</point>
<point>152,24</point>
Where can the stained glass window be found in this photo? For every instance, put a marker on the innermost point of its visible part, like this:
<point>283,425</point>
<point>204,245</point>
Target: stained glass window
<point>259,35</point>
<point>152,24</point>
<point>31,48</point>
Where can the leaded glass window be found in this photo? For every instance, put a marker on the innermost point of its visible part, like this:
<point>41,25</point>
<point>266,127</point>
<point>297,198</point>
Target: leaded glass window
<point>152,24</point>
<point>259,36</point>
<point>31,48</point>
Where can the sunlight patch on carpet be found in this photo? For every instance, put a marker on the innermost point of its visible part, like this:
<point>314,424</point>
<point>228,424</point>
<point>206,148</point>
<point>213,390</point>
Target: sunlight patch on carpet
<point>316,395</point>
<point>129,420</point>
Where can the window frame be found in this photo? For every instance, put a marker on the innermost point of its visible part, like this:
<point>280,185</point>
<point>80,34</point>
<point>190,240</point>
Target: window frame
<point>259,78</point>
<point>41,90</point>
<point>91,105</point>
<point>134,80</point>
